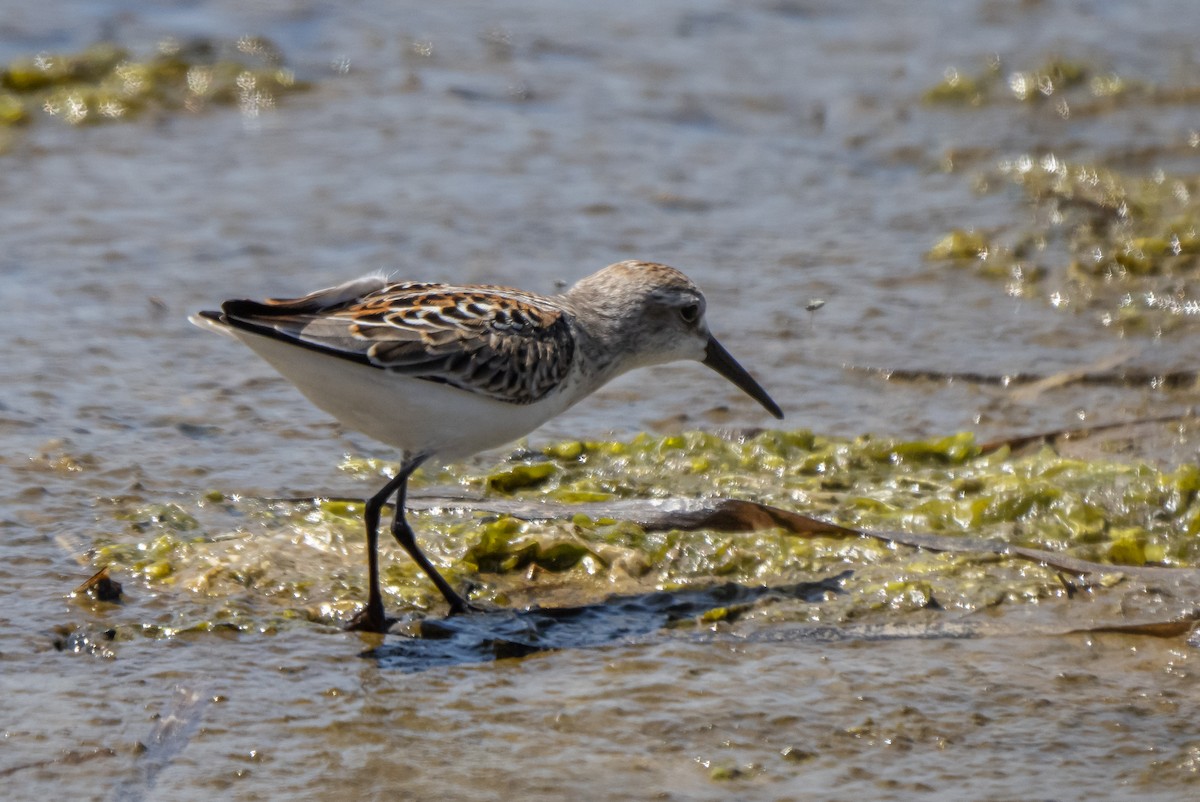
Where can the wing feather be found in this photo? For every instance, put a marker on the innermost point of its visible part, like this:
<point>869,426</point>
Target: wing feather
<point>503,343</point>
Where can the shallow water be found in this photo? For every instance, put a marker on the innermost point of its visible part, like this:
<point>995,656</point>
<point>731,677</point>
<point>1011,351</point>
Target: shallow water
<point>778,153</point>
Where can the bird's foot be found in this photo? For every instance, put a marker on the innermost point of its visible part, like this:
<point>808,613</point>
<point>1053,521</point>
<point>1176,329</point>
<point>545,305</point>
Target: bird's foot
<point>369,619</point>
<point>464,607</point>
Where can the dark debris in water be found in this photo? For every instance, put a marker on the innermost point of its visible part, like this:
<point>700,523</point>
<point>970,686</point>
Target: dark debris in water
<point>71,639</point>
<point>484,637</point>
<point>1113,377</point>
<point>101,587</point>
<point>735,515</point>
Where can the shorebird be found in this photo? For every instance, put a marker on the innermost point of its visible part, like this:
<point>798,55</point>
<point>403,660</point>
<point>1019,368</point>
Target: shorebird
<point>444,371</point>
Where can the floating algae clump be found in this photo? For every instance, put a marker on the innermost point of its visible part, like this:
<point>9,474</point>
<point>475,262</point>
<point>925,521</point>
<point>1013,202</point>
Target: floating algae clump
<point>1127,248</point>
<point>27,75</point>
<point>1122,247</point>
<point>263,564</point>
<point>106,83</point>
<point>1069,87</point>
<point>1055,77</point>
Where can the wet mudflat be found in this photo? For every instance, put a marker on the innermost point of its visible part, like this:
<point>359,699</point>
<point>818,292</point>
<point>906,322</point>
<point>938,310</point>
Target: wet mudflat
<point>676,718</point>
<point>996,205</point>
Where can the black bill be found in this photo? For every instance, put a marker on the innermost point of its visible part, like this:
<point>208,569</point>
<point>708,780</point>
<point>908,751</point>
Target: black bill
<point>717,358</point>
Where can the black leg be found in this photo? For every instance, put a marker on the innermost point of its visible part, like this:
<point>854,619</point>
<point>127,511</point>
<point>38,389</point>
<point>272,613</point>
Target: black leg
<point>372,619</point>
<point>405,537</point>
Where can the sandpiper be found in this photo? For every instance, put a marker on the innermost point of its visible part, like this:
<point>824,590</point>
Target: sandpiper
<point>443,371</point>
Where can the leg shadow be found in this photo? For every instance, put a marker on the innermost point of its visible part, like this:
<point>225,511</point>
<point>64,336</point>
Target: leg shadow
<point>483,637</point>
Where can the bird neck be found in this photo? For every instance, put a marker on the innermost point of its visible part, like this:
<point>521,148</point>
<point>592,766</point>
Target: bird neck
<point>601,340</point>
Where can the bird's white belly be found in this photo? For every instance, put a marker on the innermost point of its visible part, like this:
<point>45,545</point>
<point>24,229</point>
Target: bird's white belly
<point>414,415</point>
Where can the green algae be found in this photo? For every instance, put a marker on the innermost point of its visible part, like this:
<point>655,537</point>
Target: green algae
<point>107,83</point>
<point>958,89</point>
<point>960,244</point>
<point>1056,76</point>
<point>1126,249</point>
<point>521,476</point>
<point>1122,247</point>
<point>1069,86</point>
<point>504,545</point>
<point>247,564</point>
<point>30,74</point>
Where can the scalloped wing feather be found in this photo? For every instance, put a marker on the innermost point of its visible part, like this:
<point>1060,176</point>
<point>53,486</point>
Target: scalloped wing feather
<point>498,342</point>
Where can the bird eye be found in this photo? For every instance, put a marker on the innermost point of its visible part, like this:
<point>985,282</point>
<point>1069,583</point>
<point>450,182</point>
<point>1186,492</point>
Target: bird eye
<point>690,313</point>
